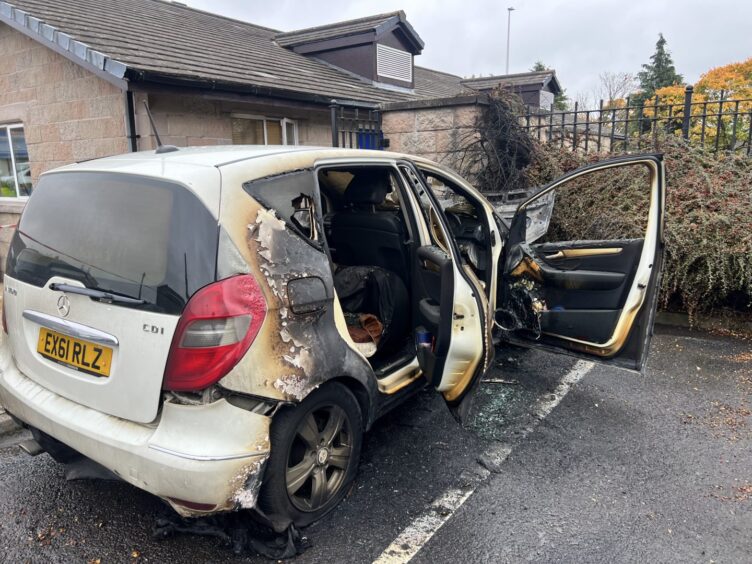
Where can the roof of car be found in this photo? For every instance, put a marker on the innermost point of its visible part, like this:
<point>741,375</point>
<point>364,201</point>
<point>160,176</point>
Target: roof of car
<point>217,156</point>
<point>199,168</point>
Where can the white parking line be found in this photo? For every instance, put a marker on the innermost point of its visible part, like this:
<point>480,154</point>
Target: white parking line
<point>419,532</point>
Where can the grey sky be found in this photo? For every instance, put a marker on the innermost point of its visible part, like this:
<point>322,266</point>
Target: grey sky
<point>579,38</point>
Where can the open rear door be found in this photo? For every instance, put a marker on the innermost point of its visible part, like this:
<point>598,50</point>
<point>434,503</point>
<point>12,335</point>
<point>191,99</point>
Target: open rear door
<point>589,287</point>
<point>449,306</point>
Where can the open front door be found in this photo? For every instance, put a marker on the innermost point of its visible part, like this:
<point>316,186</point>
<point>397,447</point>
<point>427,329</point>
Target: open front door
<point>452,329</point>
<point>589,287</point>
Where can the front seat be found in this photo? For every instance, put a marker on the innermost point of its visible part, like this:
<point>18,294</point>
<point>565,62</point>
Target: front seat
<point>364,236</point>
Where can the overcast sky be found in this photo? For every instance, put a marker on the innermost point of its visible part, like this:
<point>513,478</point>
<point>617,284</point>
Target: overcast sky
<point>579,38</point>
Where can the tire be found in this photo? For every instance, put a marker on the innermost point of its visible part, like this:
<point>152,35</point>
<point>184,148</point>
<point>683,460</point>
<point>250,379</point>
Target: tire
<point>314,455</point>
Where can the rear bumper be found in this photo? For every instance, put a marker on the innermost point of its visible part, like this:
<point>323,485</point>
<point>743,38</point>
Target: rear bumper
<point>212,455</point>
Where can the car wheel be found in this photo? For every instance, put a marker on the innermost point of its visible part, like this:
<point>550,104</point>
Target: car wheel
<point>315,449</point>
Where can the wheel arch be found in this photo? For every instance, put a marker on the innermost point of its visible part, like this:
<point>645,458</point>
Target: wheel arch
<point>366,397</point>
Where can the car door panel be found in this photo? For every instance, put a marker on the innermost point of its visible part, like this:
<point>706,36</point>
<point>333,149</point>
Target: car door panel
<point>435,277</point>
<point>449,303</point>
<point>585,290</point>
<point>593,299</point>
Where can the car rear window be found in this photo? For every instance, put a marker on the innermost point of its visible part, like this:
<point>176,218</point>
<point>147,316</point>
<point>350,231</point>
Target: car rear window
<point>132,235</point>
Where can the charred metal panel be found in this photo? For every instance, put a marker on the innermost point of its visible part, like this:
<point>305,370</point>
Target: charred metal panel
<point>298,348</point>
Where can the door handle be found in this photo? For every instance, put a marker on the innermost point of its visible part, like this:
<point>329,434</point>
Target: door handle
<point>577,253</point>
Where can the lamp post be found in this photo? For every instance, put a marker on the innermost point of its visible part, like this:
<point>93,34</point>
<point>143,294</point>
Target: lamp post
<point>510,9</point>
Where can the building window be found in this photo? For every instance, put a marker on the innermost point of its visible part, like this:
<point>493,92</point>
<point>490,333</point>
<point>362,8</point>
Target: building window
<point>394,63</point>
<point>256,130</point>
<point>15,170</point>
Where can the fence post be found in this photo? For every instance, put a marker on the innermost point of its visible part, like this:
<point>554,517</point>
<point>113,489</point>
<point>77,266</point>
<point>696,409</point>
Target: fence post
<point>600,124</point>
<point>551,124</point>
<point>574,129</point>
<point>733,131</point>
<point>654,125</point>
<point>687,110</point>
<point>376,142</point>
<point>626,125</point>
<point>333,115</point>
<point>719,123</point>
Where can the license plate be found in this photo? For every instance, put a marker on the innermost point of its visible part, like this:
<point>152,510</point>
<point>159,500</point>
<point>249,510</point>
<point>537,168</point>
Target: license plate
<point>78,354</point>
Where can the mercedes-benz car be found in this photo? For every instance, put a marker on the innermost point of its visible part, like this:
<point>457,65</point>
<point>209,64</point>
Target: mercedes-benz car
<point>220,326</point>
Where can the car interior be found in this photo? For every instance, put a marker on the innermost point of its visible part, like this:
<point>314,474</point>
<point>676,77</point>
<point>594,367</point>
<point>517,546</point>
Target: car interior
<point>380,269</point>
<point>575,290</point>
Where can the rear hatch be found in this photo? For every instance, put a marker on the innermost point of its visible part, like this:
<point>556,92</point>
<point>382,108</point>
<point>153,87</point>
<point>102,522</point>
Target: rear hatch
<point>98,273</point>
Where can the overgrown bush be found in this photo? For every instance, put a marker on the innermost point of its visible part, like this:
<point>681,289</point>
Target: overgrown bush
<point>495,152</point>
<point>708,261</point>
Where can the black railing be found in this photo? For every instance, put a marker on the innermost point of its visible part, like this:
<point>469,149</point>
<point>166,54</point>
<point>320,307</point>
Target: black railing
<point>719,125</point>
<point>356,128</point>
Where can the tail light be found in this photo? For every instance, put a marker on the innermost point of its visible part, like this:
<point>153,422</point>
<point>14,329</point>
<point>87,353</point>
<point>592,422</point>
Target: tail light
<point>217,327</point>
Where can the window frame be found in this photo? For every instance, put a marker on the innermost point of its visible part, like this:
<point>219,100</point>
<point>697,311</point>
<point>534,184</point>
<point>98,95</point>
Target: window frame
<point>283,122</point>
<point>6,128</point>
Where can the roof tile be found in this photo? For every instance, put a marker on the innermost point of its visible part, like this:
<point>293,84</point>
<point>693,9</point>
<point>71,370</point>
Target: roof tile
<point>173,40</point>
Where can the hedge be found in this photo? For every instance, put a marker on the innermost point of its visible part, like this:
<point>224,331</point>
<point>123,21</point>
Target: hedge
<point>708,261</point>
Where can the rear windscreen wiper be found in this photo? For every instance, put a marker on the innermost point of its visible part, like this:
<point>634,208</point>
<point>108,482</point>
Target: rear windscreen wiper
<point>96,294</point>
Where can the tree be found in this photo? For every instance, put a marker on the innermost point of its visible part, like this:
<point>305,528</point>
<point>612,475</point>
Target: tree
<point>561,101</point>
<point>734,80</point>
<point>539,67</point>
<point>615,86</point>
<point>660,72</point>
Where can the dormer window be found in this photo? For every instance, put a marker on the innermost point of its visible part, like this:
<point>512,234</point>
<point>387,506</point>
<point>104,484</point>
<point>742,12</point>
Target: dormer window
<point>394,63</point>
<point>378,48</point>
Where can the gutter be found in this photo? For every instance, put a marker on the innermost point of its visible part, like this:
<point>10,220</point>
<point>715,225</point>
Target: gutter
<point>424,103</point>
<point>149,77</point>
<point>63,44</point>
<point>119,74</point>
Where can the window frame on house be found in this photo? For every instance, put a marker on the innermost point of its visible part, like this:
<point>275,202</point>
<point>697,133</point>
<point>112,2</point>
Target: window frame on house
<point>283,123</point>
<point>5,129</point>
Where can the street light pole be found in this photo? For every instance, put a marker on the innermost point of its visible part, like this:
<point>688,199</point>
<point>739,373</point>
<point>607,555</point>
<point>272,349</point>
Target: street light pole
<point>510,9</point>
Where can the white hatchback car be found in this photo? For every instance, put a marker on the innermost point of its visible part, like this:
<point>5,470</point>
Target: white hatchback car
<point>220,326</point>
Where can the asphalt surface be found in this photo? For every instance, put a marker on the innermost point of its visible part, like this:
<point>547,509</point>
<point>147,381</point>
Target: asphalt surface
<point>624,469</point>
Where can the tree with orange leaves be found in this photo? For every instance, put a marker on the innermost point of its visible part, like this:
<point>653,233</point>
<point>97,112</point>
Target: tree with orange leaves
<point>724,91</point>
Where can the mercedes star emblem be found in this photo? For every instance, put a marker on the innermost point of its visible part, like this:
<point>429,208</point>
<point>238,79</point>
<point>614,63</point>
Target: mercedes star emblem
<point>63,305</point>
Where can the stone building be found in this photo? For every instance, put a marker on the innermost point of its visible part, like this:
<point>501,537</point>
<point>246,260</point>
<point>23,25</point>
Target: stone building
<point>75,79</point>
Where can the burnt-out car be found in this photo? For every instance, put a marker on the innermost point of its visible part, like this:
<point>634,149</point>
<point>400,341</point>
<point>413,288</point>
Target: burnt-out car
<point>220,326</point>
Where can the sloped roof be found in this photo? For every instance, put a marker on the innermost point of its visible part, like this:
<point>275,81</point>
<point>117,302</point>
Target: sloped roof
<point>377,24</point>
<point>538,78</point>
<point>436,84</point>
<point>155,40</point>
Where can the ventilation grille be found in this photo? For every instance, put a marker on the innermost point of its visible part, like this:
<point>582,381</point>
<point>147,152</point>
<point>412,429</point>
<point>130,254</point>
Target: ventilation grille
<point>394,63</point>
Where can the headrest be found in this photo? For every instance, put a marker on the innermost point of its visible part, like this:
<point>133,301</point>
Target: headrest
<point>368,188</point>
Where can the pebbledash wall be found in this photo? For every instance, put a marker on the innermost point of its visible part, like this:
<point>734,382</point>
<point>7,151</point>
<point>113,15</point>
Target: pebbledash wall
<point>435,129</point>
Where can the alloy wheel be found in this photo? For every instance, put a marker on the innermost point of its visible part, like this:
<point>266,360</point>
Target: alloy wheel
<point>319,457</point>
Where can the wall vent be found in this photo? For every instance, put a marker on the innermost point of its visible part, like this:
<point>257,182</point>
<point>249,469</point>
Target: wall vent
<point>394,63</point>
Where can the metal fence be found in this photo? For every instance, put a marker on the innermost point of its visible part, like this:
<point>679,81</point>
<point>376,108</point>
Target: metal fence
<point>356,128</point>
<point>718,125</point>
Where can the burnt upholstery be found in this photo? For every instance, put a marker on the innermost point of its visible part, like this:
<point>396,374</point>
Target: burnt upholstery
<point>370,289</point>
<point>364,235</point>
